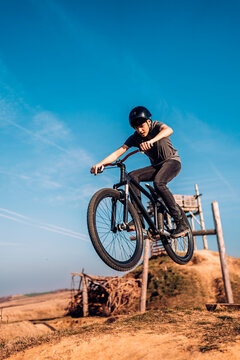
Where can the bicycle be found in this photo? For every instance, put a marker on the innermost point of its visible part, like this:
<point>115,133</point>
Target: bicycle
<point>109,213</point>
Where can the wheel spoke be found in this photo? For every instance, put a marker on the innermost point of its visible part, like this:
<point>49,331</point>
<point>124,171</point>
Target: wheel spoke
<point>117,244</point>
<point>179,249</point>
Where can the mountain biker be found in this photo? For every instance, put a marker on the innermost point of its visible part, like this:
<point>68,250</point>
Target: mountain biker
<point>152,138</point>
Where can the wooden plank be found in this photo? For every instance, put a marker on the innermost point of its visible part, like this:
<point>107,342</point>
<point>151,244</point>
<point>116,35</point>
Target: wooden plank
<point>76,274</point>
<point>190,201</point>
<point>179,199</point>
<point>192,210</point>
<point>187,201</point>
<point>195,233</point>
<point>204,232</point>
<point>93,277</point>
<point>225,306</point>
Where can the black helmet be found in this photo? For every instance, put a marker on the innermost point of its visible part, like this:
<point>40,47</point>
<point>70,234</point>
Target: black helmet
<point>138,116</point>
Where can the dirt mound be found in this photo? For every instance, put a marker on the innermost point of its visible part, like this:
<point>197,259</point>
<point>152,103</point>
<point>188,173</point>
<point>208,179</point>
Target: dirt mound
<point>194,284</point>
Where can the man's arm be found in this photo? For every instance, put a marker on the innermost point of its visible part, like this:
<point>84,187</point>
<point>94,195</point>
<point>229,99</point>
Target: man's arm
<point>110,158</point>
<point>165,131</point>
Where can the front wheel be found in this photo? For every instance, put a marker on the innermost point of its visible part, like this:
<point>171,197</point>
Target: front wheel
<point>179,249</point>
<point>119,249</point>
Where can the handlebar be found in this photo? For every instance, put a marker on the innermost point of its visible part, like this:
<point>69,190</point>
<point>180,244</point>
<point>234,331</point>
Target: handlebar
<point>100,170</point>
<point>121,160</point>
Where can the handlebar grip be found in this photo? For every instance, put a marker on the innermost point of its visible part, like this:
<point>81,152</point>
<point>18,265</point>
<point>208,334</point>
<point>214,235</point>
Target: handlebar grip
<point>100,170</point>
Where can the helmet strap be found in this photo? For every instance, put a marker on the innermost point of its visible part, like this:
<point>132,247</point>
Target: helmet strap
<point>150,126</point>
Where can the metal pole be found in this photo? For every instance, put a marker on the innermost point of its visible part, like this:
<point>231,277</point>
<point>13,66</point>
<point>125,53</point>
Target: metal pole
<point>205,244</point>
<point>222,253</point>
<point>144,277</point>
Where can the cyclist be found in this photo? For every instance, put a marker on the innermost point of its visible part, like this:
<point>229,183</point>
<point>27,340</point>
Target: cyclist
<point>152,138</point>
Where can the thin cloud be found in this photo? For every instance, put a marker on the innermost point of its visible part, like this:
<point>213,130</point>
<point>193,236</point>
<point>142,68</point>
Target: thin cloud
<point>224,181</point>
<point>19,176</point>
<point>46,125</point>
<point>22,219</point>
<point>54,172</point>
<point>5,243</point>
<point>37,136</point>
<point>54,130</point>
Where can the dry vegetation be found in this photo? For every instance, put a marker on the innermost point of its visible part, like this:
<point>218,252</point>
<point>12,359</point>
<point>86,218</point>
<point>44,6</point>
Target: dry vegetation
<point>176,325</point>
<point>106,295</point>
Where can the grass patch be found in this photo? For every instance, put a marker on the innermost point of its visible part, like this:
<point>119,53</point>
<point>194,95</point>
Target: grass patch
<point>170,285</point>
<point>225,317</point>
<point>38,294</point>
<point>2,344</point>
<point>206,348</point>
<point>45,293</point>
<point>222,332</point>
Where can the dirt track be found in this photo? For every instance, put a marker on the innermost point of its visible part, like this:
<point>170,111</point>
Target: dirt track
<point>177,334</point>
<point>124,347</point>
<point>35,328</point>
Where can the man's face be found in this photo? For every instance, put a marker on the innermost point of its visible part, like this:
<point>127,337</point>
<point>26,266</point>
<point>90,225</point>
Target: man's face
<point>143,129</point>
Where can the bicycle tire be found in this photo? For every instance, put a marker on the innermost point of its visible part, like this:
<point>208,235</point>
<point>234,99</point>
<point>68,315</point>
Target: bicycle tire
<point>118,239</point>
<point>186,244</point>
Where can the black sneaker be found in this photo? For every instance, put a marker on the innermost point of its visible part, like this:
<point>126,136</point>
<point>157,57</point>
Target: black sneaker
<point>181,229</point>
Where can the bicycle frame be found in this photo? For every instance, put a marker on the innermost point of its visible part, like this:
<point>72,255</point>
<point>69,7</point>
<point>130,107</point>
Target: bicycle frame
<point>127,181</point>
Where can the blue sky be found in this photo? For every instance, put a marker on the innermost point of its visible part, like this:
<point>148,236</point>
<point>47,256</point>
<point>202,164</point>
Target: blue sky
<point>70,72</point>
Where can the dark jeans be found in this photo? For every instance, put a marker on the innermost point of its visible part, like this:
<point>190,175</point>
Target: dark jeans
<point>160,175</point>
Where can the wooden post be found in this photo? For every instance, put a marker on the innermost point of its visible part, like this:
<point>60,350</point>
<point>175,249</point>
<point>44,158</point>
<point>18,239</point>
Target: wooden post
<point>84,294</point>
<point>194,237</point>
<point>222,253</point>
<point>205,244</point>
<point>144,277</point>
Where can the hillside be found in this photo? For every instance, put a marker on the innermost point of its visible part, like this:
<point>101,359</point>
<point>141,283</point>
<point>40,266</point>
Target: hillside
<point>194,284</point>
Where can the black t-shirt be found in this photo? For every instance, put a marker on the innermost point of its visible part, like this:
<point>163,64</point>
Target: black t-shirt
<point>161,150</point>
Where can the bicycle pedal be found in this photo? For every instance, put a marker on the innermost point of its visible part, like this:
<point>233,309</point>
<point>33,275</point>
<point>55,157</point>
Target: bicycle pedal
<point>131,228</point>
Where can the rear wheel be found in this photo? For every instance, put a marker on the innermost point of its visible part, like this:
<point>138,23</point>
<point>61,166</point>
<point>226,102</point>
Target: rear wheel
<point>119,249</point>
<point>179,249</point>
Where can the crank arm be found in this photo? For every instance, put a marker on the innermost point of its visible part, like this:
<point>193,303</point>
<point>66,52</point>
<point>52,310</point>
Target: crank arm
<point>164,233</point>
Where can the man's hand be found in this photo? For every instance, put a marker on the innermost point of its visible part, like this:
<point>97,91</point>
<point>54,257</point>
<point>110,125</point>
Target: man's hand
<point>146,145</point>
<point>97,169</point>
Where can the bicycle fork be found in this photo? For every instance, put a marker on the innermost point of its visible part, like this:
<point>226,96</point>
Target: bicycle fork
<point>124,199</point>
